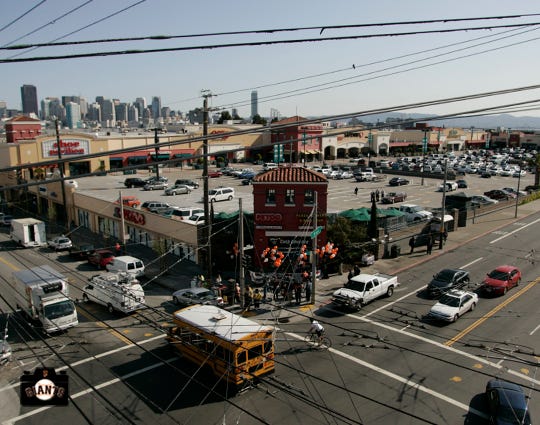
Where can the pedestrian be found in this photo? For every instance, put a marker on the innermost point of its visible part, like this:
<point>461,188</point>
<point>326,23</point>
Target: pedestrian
<point>356,191</point>
<point>118,249</point>
<point>377,195</point>
<point>356,270</point>
<point>382,193</point>
<point>248,298</point>
<point>412,240</point>
<point>372,196</point>
<point>350,275</point>
<point>297,288</point>
<point>237,293</point>
<point>429,244</point>
<point>444,235</point>
<point>257,297</point>
<point>265,288</point>
<point>308,291</point>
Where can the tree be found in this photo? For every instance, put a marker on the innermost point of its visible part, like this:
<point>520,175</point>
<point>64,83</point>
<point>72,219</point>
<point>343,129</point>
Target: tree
<point>257,119</point>
<point>225,116</point>
<point>535,163</point>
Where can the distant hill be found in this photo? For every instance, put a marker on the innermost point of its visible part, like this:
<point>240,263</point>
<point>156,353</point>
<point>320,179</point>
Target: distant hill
<point>486,122</point>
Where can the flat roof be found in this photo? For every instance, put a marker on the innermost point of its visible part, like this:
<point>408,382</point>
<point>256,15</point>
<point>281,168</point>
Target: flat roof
<point>214,320</point>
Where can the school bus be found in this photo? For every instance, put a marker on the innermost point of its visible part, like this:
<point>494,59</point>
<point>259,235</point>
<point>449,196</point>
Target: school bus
<point>237,350</point>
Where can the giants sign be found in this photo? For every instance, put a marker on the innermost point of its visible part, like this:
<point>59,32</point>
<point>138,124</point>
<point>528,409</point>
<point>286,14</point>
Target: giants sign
<point>131,216</point>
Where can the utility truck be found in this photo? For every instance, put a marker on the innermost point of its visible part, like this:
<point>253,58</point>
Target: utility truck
<point>28,232</point>
<point>116,291</point>
<point>42,294</point>
<point>364,288</point>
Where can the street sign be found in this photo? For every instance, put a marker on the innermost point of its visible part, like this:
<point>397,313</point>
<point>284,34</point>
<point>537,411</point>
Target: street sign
<point>316,232</point>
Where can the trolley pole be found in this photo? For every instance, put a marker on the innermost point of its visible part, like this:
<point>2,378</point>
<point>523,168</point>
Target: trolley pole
<point>313,251</point>
<point>207,231</point>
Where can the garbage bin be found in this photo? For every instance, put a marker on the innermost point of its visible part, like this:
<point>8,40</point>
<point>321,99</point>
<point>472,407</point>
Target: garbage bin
<point>395,251</point>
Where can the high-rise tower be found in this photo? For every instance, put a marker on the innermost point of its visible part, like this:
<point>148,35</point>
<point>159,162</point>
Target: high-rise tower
<point>254,103</point>
<point>29,99</point>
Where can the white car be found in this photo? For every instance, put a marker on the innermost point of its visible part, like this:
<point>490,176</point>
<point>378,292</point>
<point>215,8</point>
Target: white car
<point>453,304</point>
<point>483,200</point>
<point>60,243</point>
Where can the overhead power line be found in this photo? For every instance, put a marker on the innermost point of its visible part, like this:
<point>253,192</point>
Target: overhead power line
<point>22,16</point>
<point>51,22</point>
<point>254,43</point>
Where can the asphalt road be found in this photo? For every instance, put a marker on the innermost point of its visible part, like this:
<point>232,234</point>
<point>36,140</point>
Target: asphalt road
<point>388,363</point>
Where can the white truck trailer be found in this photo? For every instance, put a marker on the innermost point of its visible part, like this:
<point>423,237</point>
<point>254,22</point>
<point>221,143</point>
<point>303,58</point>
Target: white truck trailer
<point>28,232</point>
<point>363,289</point>
<point>119,291</point>
<point>42,293</point>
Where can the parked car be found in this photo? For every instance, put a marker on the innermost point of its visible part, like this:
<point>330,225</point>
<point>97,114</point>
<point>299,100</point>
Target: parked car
<point>155,185</point>
<point>155,207</point>
<point>482,200</point>
<point>221,194</point>
<point>507,403</point>
<point>214,174</point>
<point>82,251</point>
<point>446,280</point>
<point>452,305</point>
<point>191,296</point>
<point>510,193</point>
<point>392,197</point>
<point>178,189</point>
<point>187,182</point>
<point>485,175</point>
<point>130,201</point>
<point>398,181</point>
<point>161,179</point>
<point>134,182</point>
<point>497,194</point>
<point>462,184</point>
<point>60,243</point>
<point>514,191</point>
<point>450,186</point>
<point>501,279</point>
<point>100,258</point>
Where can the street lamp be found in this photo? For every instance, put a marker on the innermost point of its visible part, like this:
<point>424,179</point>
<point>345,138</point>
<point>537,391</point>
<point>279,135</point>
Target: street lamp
<point>304,143</point>
<point>517,193</point>
<point>424,149</point>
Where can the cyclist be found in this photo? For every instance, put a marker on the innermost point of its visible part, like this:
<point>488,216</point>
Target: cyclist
<point>316,328</point>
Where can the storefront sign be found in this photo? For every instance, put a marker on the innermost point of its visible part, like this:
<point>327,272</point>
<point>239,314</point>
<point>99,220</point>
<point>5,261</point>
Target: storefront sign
<point>268,218</point>
<point>220,132</point>
<point>134,217</point>
<point>67,147</point>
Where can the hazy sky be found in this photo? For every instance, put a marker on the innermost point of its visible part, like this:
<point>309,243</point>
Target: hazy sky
<point>388,71</point>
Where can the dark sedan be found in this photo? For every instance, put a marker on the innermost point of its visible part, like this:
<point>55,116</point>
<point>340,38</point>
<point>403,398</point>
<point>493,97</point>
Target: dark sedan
<point>392,197</point>
<point>497,194</point>
<point>398,181</point>
<point>462,184</point>
<point>507,403</point>
<point>446,280</point>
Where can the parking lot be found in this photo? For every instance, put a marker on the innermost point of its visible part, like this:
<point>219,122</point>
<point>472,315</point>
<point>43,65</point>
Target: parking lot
<point>341,193</point>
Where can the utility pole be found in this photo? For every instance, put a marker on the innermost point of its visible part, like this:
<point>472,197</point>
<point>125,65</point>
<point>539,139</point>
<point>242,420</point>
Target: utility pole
<point>442,229</point>
<point>424,149</point>
<point>207,232</point>
<point>61,169</point>
<point>313,250</point>
<point>241,277</point>
<point>156,143</point>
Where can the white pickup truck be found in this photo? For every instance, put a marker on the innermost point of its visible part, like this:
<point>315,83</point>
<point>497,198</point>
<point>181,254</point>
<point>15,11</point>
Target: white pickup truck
<point>363,289</point>
<point>415,213</point>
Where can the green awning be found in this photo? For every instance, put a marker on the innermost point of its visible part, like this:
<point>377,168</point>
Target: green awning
<point>116,158</point>
<point>161,156</point>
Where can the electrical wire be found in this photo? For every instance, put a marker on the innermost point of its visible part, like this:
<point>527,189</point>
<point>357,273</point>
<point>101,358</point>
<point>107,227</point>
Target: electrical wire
<point>53,21</point>
<point>12,59</point>
<point>22,16</point>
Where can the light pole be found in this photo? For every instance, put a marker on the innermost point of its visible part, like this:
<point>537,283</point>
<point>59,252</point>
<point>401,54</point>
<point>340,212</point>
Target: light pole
<point>424,148</point>
<point>304,143</point>
<point>442,229</point>
<point>517,193</point>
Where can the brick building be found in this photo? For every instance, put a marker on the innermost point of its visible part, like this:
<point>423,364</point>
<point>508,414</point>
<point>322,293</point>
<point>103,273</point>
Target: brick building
<point>283,205</point>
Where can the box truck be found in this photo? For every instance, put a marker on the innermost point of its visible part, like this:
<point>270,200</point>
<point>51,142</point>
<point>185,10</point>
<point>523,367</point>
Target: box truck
<point>42,293</point>
<point>116,291</point>
<point>28,232</point>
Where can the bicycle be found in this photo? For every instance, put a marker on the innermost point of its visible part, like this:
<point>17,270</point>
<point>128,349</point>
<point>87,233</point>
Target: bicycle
<point>312,339</point>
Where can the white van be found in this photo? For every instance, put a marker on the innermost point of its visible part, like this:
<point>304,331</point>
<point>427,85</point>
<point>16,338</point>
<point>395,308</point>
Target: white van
<point>269,166</point>
<point>220,194</point>
<point>127,264</point>
<point>117,291</point>
<point>184,213</point>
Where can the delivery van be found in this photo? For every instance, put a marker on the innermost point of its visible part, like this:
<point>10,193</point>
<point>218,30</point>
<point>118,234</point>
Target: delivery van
<point>126,264</point>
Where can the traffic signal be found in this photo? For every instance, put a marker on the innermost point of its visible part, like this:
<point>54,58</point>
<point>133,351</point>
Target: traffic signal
<point>246,261</point>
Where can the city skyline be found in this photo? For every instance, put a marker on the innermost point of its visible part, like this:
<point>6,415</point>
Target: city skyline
<point>306,79</point>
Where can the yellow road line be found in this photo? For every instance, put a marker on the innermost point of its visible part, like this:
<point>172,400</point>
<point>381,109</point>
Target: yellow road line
<point>465,331</point>
<point>103,325</point>
<point>7,263</point>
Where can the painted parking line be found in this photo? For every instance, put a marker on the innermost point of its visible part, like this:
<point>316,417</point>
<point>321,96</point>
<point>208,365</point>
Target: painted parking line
<point>103,325</point>
<point>474,325</point>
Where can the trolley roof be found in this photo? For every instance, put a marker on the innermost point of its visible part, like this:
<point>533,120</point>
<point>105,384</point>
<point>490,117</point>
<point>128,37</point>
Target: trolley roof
<point>214,320</point>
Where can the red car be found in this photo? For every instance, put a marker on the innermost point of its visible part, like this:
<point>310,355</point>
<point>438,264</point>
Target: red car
<point>214,174</point>
<point>100,258</point>
<point>500,280</point>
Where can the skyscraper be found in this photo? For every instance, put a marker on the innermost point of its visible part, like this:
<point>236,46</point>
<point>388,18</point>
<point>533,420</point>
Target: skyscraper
<point>156,107</point>
<point>254,103</point>
<point>73,115</point>
<point>29,99</point>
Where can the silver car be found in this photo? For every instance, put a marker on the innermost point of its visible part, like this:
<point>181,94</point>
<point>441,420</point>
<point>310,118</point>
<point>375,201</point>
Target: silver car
<point>155,185</point>
<point>60,243</point>
<point>191,296</point>
<point>178,189</point>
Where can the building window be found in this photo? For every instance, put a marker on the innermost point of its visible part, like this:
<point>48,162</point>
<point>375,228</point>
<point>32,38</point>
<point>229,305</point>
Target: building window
<point>289,197</point>
<point>271,196</point>
<point>309,197</point>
